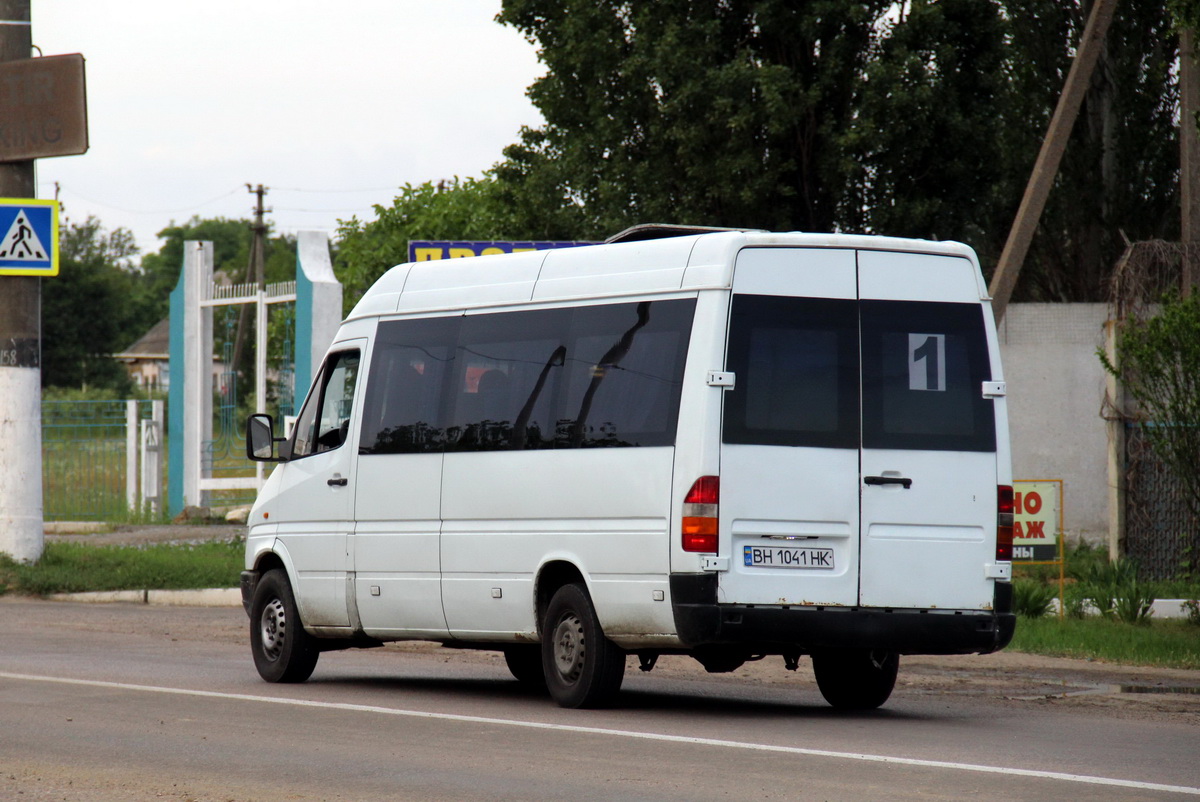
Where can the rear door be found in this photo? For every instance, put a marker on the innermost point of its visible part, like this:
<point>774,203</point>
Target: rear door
<point>789,459</point>
<point>858,458</point>
<point>929,435</point>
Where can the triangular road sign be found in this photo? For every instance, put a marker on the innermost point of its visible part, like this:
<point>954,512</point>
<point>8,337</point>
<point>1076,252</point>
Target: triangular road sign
<point>21,243</point>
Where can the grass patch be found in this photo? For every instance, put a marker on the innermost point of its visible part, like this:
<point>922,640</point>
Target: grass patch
<point>76,567</point>
<point>1171,644</point>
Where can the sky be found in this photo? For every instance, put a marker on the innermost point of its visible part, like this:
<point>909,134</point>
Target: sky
<point>331,106</point>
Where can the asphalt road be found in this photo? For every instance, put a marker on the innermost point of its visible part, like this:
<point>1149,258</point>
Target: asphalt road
<point>132,702</point>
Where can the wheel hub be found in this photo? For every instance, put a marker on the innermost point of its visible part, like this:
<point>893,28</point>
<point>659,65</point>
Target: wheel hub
<point>569,647</point>
<point>273,627</point>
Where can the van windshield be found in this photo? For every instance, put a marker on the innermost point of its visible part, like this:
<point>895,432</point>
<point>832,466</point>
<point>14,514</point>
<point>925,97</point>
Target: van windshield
<point>798,363</point>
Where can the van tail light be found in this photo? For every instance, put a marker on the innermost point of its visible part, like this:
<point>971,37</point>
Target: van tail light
<point>1004,523</point>
<point>700,515</point>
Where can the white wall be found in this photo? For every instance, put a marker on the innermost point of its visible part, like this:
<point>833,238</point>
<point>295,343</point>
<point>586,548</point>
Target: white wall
<point>1055,393</point>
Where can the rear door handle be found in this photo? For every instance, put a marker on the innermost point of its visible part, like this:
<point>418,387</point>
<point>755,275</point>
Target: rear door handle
<point>338,481</point>
<point>888,480</point>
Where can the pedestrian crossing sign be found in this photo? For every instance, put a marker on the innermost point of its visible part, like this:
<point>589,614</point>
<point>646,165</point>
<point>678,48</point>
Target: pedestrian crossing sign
<point>28,237</point>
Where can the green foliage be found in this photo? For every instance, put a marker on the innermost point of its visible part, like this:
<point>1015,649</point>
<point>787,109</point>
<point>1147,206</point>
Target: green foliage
<point>920,118</point>
<point>75,567</point>
<point>1192,607</point>
<point>717,114</point>
<point>86,309</point>
<point>1161,643</point>
<point>1032,599</point>
<point>1185,13</point>
<point>937,75</point>
<point>469,209</point>
<point>1158,362</point>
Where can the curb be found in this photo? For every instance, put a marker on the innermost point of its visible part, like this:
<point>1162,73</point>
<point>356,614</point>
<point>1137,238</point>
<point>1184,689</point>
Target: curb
<point>207,597</point>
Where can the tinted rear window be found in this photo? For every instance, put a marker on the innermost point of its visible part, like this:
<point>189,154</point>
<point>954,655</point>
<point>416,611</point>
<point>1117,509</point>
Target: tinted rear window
<point>798,363</point>
<point>924,365</point>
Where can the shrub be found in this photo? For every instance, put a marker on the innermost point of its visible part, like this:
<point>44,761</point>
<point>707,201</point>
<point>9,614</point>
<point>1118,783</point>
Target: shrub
<point>1032,599</point>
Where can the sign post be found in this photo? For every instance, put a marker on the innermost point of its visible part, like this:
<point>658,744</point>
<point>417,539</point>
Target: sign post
<point>42,113</point>
<point>1038,529</point>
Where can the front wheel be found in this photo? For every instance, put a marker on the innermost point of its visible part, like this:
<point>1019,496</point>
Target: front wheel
<point>856,679</point>
<point>582,667</point>
<point>283,651</point>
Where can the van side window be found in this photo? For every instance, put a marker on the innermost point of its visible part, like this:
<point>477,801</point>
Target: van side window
<point>507,375</point>
<point>923,367</point>
<point>324,421</point>
<point>592,376</point>
<point>410,363</point>
<point>625,374</point>
<point>796,363</point>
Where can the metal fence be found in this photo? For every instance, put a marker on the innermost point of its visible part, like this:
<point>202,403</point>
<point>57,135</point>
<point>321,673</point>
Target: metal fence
<point>87,460</point>
<point>1161,534</point>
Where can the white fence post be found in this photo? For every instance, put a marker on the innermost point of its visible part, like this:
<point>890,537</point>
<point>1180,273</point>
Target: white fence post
<point>131,455</point>
<point>152,459</point>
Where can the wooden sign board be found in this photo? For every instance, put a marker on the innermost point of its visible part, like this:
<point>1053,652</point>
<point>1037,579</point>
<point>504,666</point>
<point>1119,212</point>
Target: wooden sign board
<point>43,108</point>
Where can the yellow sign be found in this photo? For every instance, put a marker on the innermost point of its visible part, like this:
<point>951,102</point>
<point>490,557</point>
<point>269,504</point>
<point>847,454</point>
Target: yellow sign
<point>1037,520</point>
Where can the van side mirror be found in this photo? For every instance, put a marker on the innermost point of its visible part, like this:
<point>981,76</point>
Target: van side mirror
<point>261,440</point>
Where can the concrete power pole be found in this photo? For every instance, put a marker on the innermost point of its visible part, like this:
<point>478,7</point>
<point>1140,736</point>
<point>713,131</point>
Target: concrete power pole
<point>1189,160</point>
<point>1053,147</point>
<point>20,349</point>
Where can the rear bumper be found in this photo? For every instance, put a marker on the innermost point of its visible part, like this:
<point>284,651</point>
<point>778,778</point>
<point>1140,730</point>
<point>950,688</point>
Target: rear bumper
<point>701,622</point>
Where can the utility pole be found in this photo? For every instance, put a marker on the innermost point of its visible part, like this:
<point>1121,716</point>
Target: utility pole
<point>1189,160</point>
<point>1053,147</point>
<point>21,524</point>
<point>255,271</point>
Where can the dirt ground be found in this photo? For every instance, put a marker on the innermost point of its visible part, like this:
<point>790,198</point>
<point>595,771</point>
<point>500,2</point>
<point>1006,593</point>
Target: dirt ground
<point>1083,685</point>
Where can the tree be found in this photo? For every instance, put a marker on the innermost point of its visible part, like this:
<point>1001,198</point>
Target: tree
<point>86,309</point>
<point>924,152</point>
<point>1158,362</point>
<point>917,118</point>
<point>1119,174</point>
<point>461,209</point>
<point>705,113</point>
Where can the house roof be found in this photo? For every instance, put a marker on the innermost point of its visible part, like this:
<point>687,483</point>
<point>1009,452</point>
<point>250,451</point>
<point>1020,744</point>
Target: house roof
<point>154,344</point>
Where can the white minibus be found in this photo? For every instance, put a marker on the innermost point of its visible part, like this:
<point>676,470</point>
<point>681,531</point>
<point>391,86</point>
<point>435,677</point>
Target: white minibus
<point>722,444</point>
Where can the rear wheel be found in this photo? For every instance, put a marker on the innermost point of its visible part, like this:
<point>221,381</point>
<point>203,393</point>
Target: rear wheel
<point>525,663</point>
<point>283,651</point>
<point>582,667</point>
<point>856,679</point>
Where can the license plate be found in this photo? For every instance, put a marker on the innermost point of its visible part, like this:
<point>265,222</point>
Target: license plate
<point>787,557</point>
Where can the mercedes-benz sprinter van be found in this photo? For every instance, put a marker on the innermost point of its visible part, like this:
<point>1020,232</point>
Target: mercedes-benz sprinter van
<point>725,445</point>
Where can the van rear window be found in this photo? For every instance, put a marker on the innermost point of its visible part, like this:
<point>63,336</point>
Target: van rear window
<point>798,363</point>
<point>924,365</point>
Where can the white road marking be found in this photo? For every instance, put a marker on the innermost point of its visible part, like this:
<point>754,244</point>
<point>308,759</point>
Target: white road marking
<point>648,736</point>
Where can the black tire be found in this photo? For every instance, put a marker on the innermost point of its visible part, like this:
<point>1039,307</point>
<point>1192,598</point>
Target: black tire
<point>283,651</point>
<point>582,667</point>
<point>525,663</point>
<point>856,679</point>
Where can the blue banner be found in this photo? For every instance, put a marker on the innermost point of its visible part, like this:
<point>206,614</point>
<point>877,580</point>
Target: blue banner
<point>429,250</point>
